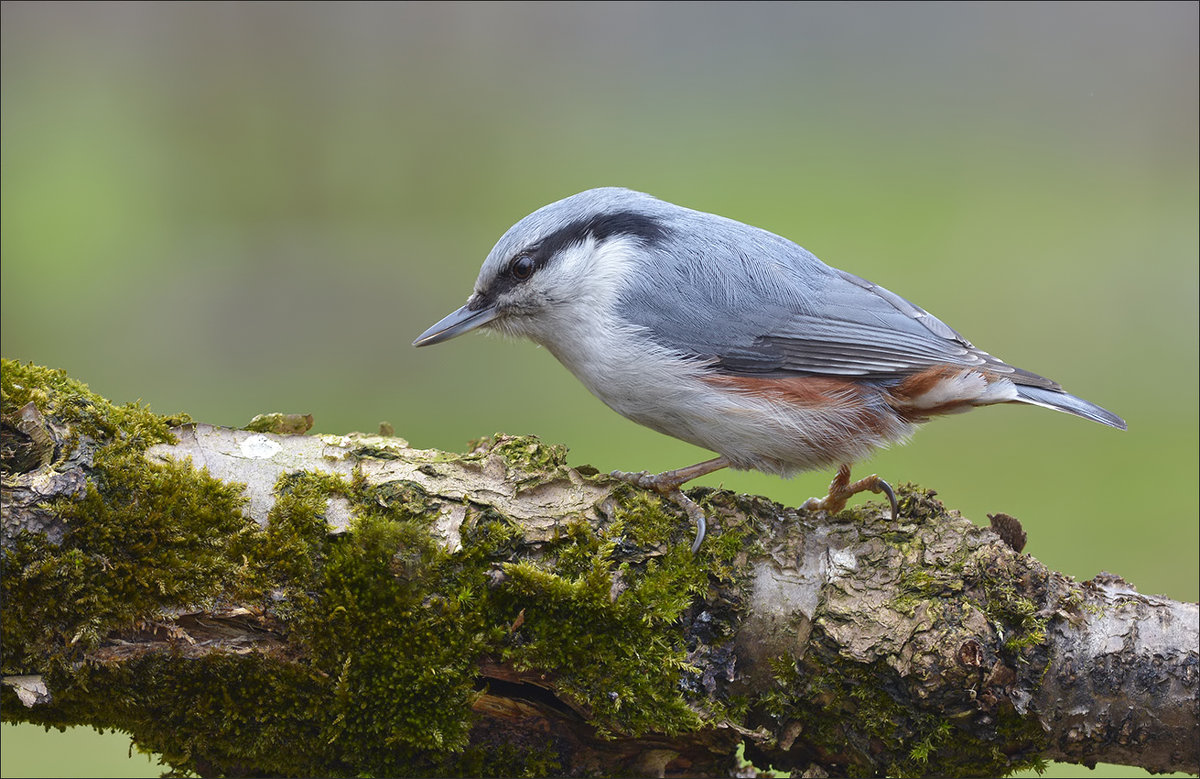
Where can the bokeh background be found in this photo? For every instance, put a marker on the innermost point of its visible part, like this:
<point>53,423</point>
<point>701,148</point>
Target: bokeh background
<point>236,208</point>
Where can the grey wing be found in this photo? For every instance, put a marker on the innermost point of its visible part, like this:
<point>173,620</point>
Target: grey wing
<point>866,331</point>
<point>806,318</point>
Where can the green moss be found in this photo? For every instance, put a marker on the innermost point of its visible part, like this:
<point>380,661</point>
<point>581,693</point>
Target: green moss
<point>390,627</point>
<point>282,424</point>
<point>219,714</point>
<point>401,624</point>
<point>525,454</point>
<point>922,585</point>
<point>642,517</point>
<point>863,723</point>
<point>999,583</point>
<point>608,630</point>
<point>743,766</point>
<point>643,521</point>
<point>1017,617</point>
<point>532,757</point>
<point>629,585</point>
<point>386,628</point>
<point>127,428</point>
<point>145,537</point>
<point>929,744</point>
<point>402,657</point>
<point>292,547</point>
<point>377,453</point>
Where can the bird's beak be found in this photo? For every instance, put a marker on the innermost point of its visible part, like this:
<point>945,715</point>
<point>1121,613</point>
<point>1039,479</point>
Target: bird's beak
<point>457,323</point>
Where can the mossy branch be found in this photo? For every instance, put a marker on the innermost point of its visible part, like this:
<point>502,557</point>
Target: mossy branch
<point>253,603</point>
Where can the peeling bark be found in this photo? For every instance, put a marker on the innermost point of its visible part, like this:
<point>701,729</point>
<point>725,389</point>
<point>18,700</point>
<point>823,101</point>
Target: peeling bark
<point>825,644</point>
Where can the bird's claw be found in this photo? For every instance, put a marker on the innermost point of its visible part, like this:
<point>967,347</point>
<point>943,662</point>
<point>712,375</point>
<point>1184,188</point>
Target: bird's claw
<point>697,515</point>
<point>841,490</point>
<point>885,488</point>
<point>668,488</point>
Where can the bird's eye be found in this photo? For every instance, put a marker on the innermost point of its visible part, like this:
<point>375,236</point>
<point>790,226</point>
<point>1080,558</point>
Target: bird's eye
<point>521,267</point>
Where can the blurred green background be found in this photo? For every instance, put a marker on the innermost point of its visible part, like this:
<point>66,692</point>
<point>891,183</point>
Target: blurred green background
<point>230,209</point>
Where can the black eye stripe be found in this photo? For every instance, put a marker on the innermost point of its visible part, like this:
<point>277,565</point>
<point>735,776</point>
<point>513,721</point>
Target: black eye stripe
<point>600,227</point>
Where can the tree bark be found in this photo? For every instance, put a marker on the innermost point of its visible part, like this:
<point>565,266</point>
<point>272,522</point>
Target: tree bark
<point>252,603</point>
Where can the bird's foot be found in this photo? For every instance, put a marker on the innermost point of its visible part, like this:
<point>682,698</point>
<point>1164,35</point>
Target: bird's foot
<point>841,490</point>
<point>668,484</point>
<point>668,488</point>
<point>695,513</point>
<point>647,480</point>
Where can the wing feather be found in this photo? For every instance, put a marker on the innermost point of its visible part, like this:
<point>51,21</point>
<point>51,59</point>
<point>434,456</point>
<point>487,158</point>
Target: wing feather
<point>790,315</point>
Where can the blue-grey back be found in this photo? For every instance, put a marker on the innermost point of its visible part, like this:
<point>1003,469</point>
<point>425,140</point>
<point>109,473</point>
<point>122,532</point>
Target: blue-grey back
<point>746,300</point>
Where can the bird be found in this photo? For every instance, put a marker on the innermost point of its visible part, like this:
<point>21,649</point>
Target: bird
<point>734,339</point>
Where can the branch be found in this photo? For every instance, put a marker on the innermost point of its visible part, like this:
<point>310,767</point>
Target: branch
<point>251,603</point>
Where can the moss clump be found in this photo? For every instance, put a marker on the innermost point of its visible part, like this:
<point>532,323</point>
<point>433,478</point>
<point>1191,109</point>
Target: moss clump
<point>608,630</point>
<point>127,428</point>
<point>282,424</point>
<point>214,715</point>
<point>645,519</point>
<point>385,629</point>
<point>923,586</point>
<point>524,453</point>
<point>293,545</point>
<point>164,548</point>
<point>526,755</point>
<point>862,721</point>
<point>400,652</point>
<point>400,624</point>
<point>173,541</point>
<point>1017,616</point>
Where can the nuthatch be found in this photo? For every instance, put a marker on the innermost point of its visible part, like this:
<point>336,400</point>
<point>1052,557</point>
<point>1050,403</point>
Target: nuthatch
<point>734,339</point>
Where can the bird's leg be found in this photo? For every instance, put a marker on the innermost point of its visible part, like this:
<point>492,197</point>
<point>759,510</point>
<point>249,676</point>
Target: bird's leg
<point>841,490</point>
<point>668,483</point>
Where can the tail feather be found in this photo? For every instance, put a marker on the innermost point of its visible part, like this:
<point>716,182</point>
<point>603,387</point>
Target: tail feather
<point>1062,401</point>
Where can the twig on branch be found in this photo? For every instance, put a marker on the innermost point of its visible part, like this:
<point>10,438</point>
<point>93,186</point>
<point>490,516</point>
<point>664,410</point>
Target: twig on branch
<point>248,603</point>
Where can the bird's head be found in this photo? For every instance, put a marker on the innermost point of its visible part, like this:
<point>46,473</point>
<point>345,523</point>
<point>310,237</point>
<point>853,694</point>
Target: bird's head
<point>564,264</point>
